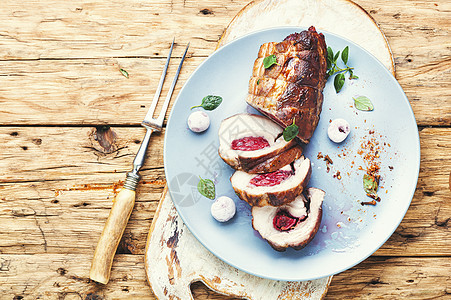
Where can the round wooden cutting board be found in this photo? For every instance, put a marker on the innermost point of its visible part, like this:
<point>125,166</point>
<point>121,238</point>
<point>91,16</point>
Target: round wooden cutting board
<point>174,258</point>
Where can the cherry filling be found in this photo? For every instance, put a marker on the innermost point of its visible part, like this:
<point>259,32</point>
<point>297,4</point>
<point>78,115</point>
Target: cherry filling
<point>271,179</point>
<point>250,143</point>
<point>284,221</point>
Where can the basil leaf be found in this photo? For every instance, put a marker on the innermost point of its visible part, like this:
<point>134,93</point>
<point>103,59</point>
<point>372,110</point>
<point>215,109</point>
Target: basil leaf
<point>336,56</point>
<point>123,72</point>
<point>210,102</point>
<point>330,57</point>
<point>330,53</point>
<point>290,132</point>
<point>270,60</point>
<point>258,81</point>
<point>370,184</point>
<point>339,81</point>
<point>344,55</point>
<point>363,103</point>
<point>207,188</point>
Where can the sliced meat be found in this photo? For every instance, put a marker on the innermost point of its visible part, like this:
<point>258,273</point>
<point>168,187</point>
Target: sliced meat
<point>275,188</point>
<point>291,225</point>
<point>247,141</point>
<point>292,88</point>
<point>276,162</point>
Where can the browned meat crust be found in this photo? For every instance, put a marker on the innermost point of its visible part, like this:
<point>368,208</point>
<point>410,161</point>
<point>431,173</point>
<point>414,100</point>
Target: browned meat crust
<point>292,88</point>
<point>275,163</point>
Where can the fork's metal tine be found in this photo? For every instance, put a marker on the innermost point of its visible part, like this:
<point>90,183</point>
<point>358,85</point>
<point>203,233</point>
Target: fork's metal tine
<point>160,118</point>
<point>151,110</point>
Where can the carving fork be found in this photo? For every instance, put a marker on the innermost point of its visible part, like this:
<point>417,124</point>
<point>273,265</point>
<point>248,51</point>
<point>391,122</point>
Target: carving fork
<point>125,199</point>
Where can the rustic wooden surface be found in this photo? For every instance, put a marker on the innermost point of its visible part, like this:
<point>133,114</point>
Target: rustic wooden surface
<point>61,165</point>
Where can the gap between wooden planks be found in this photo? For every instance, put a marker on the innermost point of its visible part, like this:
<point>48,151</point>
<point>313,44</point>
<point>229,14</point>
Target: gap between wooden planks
<point>93,91</point>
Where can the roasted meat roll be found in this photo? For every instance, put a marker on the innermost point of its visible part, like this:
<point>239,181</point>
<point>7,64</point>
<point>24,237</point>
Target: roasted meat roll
<point>291,88</point>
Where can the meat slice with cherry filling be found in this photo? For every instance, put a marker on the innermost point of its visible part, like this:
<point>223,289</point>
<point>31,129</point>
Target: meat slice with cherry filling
<point>276,188</point>
<point>292,225</point>
<point>247,141</point>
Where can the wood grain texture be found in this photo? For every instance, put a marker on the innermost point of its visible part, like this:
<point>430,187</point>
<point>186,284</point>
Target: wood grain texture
<point>112,233</point>
<point>59,65</point>
<point>66,276</point>
<point>85,91</point>
<point>74,79</point>
<point>36,30</point>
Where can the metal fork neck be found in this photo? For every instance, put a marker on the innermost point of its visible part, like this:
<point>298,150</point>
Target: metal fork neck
<point>131,182</point>
<point>138,162</point>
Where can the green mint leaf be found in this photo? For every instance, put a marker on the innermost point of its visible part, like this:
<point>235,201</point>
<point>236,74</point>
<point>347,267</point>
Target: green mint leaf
<point>270,60</point>
<point>370,184</point>
<point>330,57</point>
<point>290,132</point>
<point>123,72</point>
<point>339,81</point>
<point>344,55</point>
<point>330,54</point>
<point>210,102</point>
<point>336,56</point>
<point>258,81</point>
<point>363,103</point>
<point>207,188</point>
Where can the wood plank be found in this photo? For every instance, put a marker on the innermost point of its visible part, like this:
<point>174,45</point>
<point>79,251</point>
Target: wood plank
<point>56,276</point>
<point>87,91</point>
<point>69,193</point>
<point>50,276</point>
<point>91,91</point>
<point>394,278</point>
<point>80,29</point>
<point>417,33</point>
<point>73,153</point>
<point>65,196</point>
<point>114,28</point>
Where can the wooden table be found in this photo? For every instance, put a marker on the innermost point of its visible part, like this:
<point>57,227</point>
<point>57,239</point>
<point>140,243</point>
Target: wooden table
<point>70,126</point>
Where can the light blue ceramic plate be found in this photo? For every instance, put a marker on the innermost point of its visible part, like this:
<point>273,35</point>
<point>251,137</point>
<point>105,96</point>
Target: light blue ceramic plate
<point>349,232</point>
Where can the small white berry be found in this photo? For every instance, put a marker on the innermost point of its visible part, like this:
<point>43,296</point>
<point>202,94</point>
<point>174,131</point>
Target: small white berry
<point>223,209</point>
<point>198,121</point>
<point>338,130</point>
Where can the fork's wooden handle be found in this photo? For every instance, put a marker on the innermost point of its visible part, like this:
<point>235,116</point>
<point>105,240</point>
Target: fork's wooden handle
<point>111,235</point>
